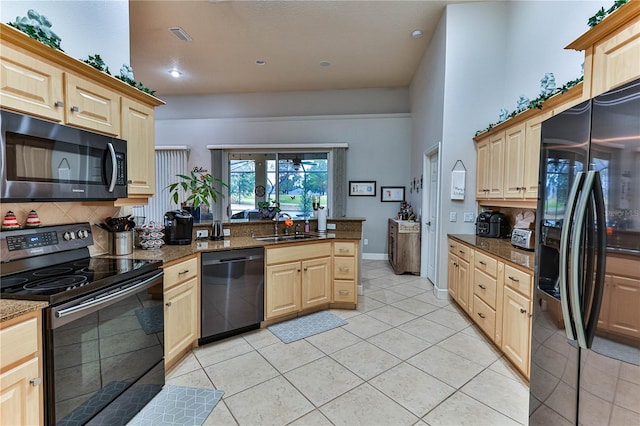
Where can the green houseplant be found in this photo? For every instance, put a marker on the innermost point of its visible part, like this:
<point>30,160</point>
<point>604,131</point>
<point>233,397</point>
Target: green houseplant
<point>200,188</point>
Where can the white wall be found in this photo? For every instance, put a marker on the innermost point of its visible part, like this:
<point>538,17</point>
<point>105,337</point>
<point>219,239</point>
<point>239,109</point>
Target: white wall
<point>378,150</point>
<point>86,27</point>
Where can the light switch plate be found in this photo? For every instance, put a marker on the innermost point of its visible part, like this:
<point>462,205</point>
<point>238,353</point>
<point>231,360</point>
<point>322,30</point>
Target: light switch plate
<point>226,232</point>
<point>453,216</point>
<point>202,233</point>
<point>331,226</point>
<point>468,216</point>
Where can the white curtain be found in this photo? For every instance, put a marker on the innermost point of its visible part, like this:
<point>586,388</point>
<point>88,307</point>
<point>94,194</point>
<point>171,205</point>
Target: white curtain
<point>170,161</point>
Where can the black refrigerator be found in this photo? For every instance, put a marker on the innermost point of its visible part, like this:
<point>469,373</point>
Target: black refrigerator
<point>585,343</point>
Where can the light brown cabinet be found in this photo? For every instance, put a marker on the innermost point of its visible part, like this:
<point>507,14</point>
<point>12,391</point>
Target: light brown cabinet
<point>459,274</point>
<point>404,246</point>
<point>490,166</point>
<point>297,277</point>
<point>619,313</point>
<point>45,83</point>
<point>516,329</point>
<point>345,272</point>
<point>21,393</point>
<point>180,309</point>
<point>486,310</point>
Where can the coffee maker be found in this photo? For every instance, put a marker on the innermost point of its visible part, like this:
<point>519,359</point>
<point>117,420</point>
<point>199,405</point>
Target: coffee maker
<point>178,227</point>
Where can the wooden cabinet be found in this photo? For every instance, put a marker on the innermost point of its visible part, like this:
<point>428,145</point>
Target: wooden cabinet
<point>483,165</point>
<point>459,274</point>
<point>181,309</point>
<point>485,289</point>
<point>619,313</point>
<point>91,106</point>
<point>345,272</point>
<point>404,246</point>
<point>516,329</point>
<point>496,165</point>
<point>514,161</point>
<point>138,126</point>
<point>297,277</point>
<point>21,393</point>
<point>30,85</point>
<point>42,82</point>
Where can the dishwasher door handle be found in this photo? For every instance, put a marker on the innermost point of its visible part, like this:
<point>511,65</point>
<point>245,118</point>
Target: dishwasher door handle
<point>230,260</point>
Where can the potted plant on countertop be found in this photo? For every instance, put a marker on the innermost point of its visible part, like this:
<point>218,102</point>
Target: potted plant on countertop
<point>268,209</point>
<point>201,191</point>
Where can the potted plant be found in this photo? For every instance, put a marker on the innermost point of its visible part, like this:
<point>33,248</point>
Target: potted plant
<point>268,209</point>
<point>200,188</point>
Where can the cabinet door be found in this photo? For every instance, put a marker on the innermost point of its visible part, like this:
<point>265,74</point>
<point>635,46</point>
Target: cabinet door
<point>180,319</point>
<point>532,155</point>
<point>19,398</point>
<point>496,165</point>
<point>30,86</point>
<point>91,106</point>
<point>138,130</point>
<point>282,292</point>
<point>482,169</point>
<point>516,329</point>
<point>514,162</point>
<point>452,276</point>
<point>616,59</point>
<point>624,295</point>
<point>316,282</point>
<point>464,289</point>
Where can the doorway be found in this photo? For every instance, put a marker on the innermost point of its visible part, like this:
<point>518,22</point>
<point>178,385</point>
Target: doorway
<point>430,205</point>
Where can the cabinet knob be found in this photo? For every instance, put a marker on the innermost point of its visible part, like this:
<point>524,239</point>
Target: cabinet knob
<point>35,381</point>
<point>59,104</point>
<point>481,315</point>
<point>75,108</point>
<point>298,270</point>
<point>342,249</point>
<point>344,268</point>
<point>482,287</point>
<point>523,311</point>
<point>515,280</point>
<point>168,304</point>
<point>461,251</point>
<point>183,272</point>
<point>482,263</point>
<point>344,292</point>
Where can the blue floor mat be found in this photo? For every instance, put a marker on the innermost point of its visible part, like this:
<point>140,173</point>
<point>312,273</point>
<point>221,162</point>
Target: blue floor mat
<point>299,328</point>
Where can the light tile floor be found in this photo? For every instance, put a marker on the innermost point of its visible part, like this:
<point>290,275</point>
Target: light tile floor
<point>404,358</point>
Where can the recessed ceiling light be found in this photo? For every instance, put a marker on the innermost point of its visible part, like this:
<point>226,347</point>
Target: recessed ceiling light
<point>416,33</point>
<point>175,73</point>
<point>180,33</point>
<point>325,64</point>
<point>260,62</point>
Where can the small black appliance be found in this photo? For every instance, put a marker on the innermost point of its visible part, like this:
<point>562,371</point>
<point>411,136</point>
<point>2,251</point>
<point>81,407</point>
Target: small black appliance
<point>483,223</point>
<point>498,226</point>
<point>178,227</point>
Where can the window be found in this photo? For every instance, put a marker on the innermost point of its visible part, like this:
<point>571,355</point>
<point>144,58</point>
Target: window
<point>297,180</point>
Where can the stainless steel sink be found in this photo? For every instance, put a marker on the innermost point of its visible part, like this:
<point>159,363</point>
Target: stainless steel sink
<point>280,238</point>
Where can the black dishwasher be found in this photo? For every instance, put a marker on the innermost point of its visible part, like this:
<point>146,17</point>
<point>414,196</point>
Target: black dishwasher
<point>232,293</point>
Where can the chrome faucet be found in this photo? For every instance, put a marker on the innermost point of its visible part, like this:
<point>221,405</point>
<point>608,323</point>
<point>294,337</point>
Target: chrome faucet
<point>276,219</point>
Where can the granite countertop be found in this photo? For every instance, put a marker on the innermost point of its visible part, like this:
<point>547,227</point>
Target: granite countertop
<point>170,253</point>
<point>501,248</point>
<point>10,308</point>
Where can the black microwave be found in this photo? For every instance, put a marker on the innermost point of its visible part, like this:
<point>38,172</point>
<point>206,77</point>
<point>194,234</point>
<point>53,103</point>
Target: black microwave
<point>45,161</point>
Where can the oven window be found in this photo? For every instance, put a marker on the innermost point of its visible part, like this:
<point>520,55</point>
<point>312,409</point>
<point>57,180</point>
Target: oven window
<point>99,356</point>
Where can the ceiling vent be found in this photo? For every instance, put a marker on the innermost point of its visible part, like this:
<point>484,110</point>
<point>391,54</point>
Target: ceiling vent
<point>180,33</point>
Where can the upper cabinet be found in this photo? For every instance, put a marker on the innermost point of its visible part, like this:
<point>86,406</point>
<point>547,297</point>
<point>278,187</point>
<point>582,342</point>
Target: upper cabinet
<point>43,82</point>
<point>612,50</point>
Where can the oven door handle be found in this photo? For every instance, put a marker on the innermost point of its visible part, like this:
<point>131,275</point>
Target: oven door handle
<point>106,298</point>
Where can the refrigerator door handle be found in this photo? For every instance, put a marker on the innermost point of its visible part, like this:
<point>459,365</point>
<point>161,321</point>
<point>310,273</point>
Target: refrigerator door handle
<point>600,257</point>
<point>574,282</point>
<point>564,253</point>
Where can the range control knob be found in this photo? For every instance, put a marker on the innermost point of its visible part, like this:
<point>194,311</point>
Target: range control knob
<point>68,236</point>
<point>83,233</point>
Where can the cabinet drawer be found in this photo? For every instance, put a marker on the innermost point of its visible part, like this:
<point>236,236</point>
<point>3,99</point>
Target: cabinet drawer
<point>180,272</point>
<point>463,252</point>
<point>343,248</point>
<point>297,252</point>
<point>344,268</point>
<point>487,264</point>
<point>484,316</point>
<point>484,287</point>
<point>517,280</point>
<point>19,341</point>
<point>453,247</point>
<point>344,291</point>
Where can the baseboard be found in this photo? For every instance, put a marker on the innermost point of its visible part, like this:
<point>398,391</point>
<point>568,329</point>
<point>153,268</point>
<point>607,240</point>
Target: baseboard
<point>441,293</point>
<point>375,256</point>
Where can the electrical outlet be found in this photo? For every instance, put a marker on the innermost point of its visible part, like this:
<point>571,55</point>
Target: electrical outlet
<point>331,226</point>
<point>202,233</point>
<point>226,232</point>
<point>366,241</point>
<point>453,216</point>
<point>468,216</point>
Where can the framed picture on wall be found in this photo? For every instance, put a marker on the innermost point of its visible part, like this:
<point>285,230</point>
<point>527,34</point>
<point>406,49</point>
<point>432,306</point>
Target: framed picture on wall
<point>365,188</point>
<point>391,193</point>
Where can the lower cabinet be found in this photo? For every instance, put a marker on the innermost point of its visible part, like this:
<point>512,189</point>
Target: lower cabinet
<point>297,278</point>
<point>21,393</point>
<point>497,297</point>
<point>180,309</point>
<point>619,313</point>
<point>345,272</point>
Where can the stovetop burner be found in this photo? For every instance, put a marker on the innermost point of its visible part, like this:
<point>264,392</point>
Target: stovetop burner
<point>66,282</point>
<point>48,272</point>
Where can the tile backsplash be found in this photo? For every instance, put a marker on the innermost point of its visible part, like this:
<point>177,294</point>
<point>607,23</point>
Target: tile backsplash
<point>56,213</point>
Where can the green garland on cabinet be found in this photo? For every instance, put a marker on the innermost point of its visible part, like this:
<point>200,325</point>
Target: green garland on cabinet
<point>601,14</point>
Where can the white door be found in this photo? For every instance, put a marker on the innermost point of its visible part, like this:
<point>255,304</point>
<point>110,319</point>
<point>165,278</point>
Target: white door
<point>429,219</point>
